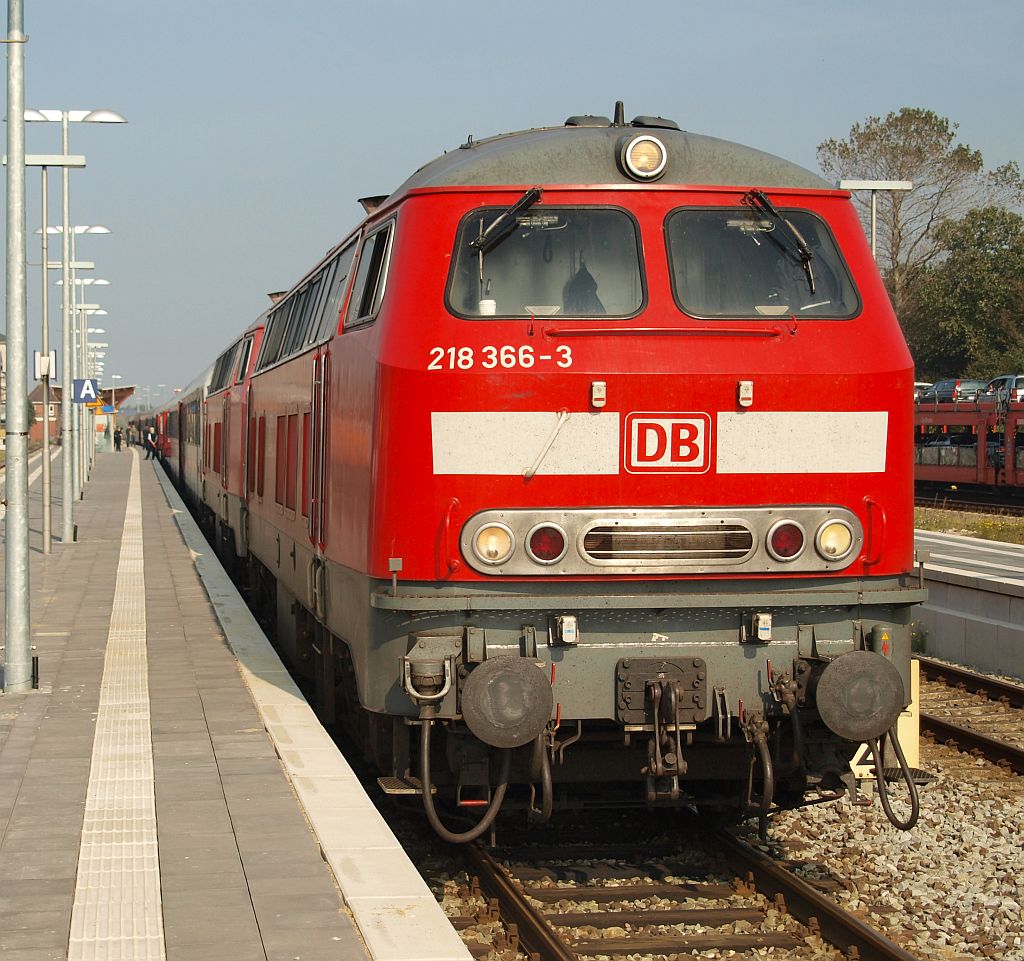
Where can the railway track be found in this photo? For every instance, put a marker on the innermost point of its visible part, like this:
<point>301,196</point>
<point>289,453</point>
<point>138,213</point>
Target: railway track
<point>942,502</point>
<point>984,717</point>
<point>568,902</point>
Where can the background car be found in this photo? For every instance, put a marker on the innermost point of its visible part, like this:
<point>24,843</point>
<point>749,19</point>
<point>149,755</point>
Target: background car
<point>1011,384</point>
<point>920,387</point>
<point>953,389</point>
<point>953,440</point>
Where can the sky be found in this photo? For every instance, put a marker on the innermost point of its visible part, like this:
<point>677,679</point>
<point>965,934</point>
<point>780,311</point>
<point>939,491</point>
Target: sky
<point>254,126</point>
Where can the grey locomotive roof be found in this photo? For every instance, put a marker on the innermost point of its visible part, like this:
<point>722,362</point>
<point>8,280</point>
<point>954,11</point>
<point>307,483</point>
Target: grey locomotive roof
<point>588,155</point>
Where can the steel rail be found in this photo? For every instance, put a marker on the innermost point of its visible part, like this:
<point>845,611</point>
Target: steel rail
<point>992,508</point>
<point>534,933</point>
<point>991,687</point>
<point>999,752</point>
<point>836,925</point>
<point>811,907</point>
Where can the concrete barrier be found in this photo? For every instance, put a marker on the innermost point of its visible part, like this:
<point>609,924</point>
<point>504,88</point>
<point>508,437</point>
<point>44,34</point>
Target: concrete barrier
<point>974,619</point>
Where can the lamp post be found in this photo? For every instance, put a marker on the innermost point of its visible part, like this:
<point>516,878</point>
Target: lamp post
<point>874,186</point>
<point>17,618</point>
<point>88,447</point>
<point>112,423</point>
<point>64,117</point>
<point>79,343</point>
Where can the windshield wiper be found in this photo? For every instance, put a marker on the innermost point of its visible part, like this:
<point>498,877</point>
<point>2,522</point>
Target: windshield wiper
<point>504,220</point>
<point>804,254</point>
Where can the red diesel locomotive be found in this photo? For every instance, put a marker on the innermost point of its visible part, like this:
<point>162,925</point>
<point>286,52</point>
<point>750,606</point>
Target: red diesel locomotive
<point>580,472</point>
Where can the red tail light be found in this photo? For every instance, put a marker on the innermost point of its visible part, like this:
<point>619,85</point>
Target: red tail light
<point>786,541</point>
<point>547,544</point>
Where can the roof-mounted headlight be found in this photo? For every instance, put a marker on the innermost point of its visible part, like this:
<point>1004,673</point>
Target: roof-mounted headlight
<point>643,157</point>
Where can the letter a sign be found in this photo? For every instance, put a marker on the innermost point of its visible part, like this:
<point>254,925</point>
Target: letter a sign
<point>86,391</point>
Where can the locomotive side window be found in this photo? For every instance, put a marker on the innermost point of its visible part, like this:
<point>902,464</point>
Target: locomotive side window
<point>734,262</point>
<point>276,324</point>
<point>570,261</point>
<point>222,369</point>
<point>243,360</point>
<point>299,318</point>
<point>371,277</point>
<point>334,294</point>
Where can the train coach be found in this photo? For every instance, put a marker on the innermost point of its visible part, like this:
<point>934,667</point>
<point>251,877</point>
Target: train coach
<point>580,473</point>
<point>970,444</point>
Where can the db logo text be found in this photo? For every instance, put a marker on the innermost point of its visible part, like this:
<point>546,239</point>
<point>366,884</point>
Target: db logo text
<point>667,443</point>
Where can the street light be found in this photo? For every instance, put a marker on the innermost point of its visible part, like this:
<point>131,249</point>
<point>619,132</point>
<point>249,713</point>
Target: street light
<point>66,117</point>
<point>874,186</point>
<point>17,615</point>
<point>112,423</point>
<point>87,415</point>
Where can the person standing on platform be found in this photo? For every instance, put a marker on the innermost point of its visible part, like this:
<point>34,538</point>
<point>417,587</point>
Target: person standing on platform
<point>150,442</point>
<point>118,437</point>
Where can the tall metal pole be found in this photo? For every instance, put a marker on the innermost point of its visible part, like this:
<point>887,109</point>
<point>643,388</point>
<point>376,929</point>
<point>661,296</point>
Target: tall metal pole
<point>67,368</point>
<point>874,212</point>
<point>18,660</point>
<point>76,372</point>
<point>46,374</point>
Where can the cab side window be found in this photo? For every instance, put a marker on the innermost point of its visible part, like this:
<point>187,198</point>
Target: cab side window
<point>371,277</point>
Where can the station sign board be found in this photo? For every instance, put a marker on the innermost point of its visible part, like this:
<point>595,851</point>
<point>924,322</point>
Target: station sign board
<point>85,391</point>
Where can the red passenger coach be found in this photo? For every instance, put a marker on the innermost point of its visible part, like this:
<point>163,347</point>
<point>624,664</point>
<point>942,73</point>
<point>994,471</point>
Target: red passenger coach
<point>582,472</point>
<point>228,441</point>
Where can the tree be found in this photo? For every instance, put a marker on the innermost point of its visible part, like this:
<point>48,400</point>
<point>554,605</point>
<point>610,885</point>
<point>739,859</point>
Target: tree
<point>968,307</point>
<point>949,180</point>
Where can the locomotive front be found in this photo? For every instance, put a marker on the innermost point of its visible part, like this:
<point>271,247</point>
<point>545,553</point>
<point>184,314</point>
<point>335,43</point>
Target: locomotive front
<point>642,528</point>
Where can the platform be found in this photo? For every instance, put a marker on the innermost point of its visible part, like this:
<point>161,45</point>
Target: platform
<point>975,609</point>
<point>166,792</point>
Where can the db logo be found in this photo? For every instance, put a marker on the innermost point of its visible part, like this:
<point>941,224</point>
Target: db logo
<point>667,443</point>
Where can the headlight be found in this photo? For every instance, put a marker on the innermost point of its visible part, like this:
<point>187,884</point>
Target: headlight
<point>785,541</point>
<point>494,543</point>
<point>643,157</point>
<point>834,540</point>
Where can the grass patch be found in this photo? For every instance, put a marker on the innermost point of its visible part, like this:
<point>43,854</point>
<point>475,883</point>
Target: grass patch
<point>991,527</point>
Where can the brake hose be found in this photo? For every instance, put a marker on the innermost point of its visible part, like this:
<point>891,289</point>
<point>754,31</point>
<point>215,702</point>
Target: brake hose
<point>883,792</point>
<point>540,766</point>
<point>768,788</point>
<point>428,802</point>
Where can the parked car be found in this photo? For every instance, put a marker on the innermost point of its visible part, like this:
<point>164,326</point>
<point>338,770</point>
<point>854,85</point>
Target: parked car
<point>953,389</point>
<point>953,440</point>
<point>920,387</point>
<point>1007,384</point>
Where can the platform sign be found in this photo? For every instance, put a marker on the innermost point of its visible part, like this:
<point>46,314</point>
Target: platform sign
<point>85,391</point>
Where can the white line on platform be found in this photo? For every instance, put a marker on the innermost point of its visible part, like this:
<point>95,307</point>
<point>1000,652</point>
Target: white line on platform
<point>117,910</point>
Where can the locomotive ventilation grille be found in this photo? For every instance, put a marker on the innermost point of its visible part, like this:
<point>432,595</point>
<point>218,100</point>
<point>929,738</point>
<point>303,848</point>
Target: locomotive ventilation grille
<point>782,539</point>
<point>640,545</point>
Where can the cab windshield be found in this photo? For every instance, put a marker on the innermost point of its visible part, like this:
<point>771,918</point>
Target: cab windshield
<point>569,261</point>
<point>738,263</point>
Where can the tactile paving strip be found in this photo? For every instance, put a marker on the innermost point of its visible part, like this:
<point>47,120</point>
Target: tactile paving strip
<point>117,910</point>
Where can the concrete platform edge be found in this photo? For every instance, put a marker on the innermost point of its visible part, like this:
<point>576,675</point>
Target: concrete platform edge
<point>397,916</point>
